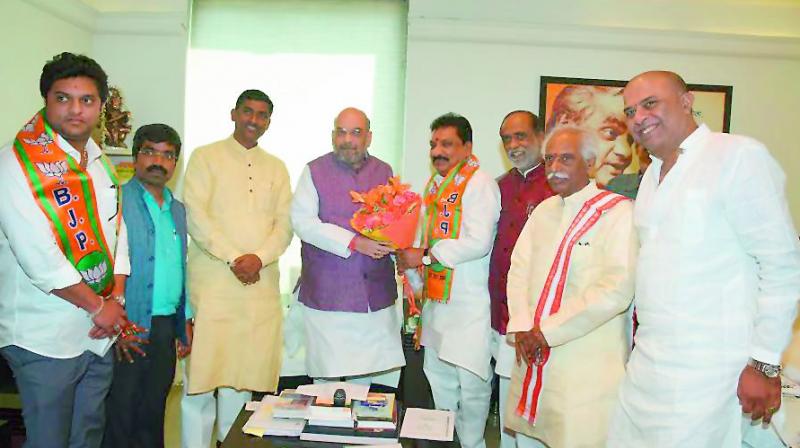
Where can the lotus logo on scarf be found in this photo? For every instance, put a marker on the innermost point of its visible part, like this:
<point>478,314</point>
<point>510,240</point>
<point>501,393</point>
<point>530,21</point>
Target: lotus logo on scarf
<point>43,140</point>
<point>94,270</point>
<point>53,169</point>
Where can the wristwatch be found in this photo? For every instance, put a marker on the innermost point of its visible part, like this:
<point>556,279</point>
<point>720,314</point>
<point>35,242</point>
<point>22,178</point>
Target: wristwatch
<point>119,299</point>
<point>769,370</point>
<point>426,258</point>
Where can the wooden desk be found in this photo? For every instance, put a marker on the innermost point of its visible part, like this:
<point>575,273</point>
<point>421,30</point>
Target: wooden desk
<point>238,439</point>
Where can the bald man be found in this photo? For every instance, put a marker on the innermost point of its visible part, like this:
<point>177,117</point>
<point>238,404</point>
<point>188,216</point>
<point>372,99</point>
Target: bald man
<point>598,109</point>
<point>522,188</point>
<point>347,290</point>
<point>717,282</point>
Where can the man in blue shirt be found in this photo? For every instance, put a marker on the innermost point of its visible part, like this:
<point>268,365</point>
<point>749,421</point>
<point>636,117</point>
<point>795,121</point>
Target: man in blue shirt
<point>155,294</point>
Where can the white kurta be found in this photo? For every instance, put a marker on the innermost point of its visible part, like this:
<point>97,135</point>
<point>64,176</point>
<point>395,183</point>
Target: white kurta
<point>341,343</point>
<point>32,265</point>
<point>587,335</point>
<point>460,330</point>
<point>718,280</point>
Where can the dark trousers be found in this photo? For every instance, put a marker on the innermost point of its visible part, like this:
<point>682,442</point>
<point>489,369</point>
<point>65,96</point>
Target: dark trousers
<point>62,399</point>
<point>137,402</point>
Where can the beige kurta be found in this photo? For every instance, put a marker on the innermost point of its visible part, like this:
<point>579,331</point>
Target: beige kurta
<point>237,202</point>
<point>588,333</point>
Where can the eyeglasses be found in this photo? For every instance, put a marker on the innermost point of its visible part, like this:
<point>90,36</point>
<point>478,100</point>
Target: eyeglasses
<point>355,132</point>
<point>565,158</point>
<point>169,155</point>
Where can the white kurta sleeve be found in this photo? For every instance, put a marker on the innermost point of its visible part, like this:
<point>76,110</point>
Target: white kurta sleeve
<point>306,223</point>
<point>122,264</point>
<point>755,205</point>
<point>197,198</point>
<point>611,293</point>
<point>518,293</point>
<point>281,233</point>
<point>480,212</point>
<point>29,233</point>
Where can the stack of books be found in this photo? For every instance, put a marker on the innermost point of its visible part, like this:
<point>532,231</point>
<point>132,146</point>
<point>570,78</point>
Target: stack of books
<point>293,405</point>
<point>368,422</point>
<point>373,420</point>
<point>283,415</point>
<point>331,416</point>
<point>378,411</point>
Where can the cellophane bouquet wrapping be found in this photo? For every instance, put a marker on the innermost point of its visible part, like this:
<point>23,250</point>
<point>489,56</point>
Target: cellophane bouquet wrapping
<point>390,213</point>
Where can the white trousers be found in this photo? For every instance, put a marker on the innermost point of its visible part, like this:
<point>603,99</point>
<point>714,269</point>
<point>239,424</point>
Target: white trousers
<point>507,436</point>
<point>463,392</point>
<point>199,411</point>
<point>504,356</point>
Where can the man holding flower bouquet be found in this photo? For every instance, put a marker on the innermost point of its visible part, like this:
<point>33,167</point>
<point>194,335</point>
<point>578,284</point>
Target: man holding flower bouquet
<point>461,209</point>
<point>347,286</point>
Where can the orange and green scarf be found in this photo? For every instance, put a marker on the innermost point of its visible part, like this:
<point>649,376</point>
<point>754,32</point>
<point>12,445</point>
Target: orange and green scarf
<point>443,221</point>
<point>65,193</point>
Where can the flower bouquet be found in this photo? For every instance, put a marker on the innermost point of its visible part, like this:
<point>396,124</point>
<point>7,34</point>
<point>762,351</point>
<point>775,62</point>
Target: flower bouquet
<point>389,213</point>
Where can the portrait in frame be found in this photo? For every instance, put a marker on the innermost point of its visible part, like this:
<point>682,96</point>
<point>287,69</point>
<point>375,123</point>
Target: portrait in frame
<point>597,104</point>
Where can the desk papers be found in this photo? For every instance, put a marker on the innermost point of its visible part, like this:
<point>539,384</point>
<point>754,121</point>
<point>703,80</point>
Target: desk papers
<point>428,424</point>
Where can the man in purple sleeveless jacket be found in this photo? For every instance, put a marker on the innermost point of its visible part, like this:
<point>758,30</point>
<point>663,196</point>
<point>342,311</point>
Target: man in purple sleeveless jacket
<point>347,287</point>
<point>522,188</point>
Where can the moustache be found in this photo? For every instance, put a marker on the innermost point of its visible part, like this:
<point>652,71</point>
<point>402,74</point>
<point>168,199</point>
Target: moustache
<point>153,168</point>
<point>346,146</point>
<point>439,158</point>
<point>557,175</point>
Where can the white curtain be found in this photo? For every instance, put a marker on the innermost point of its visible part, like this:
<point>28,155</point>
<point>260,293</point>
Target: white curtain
<point>313,58</point>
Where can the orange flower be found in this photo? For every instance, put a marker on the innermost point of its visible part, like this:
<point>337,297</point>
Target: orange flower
<point>389,213</point>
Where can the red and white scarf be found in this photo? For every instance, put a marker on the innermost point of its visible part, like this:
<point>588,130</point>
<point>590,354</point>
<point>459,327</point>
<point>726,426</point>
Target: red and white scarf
<point>550,299</point>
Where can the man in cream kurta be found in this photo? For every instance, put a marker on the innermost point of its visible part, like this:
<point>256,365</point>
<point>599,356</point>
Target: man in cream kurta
<point>237,199</point>
<point>586,336</point>
<point>717,281</point>
<point>457,334</point>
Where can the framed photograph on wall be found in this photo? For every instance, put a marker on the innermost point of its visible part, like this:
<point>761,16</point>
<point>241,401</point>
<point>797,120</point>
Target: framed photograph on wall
<point>597,104</point>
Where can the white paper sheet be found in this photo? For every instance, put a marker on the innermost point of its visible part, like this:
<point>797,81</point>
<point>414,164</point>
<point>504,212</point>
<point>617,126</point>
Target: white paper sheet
<point>428,424</point>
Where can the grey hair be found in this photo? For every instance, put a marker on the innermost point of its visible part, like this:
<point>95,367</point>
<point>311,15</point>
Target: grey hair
<point>589,142</point>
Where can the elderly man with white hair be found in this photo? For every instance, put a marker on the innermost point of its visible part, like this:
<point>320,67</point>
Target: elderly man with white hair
<point>569,286</point>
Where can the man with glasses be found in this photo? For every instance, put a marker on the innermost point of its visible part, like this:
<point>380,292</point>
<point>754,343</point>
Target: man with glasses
<point>569,286</point>
<point>598,109</point>
<point>155,296</point>
<point>237,201</point>
<point>347,288</point>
